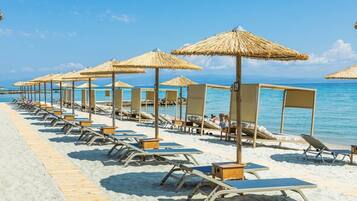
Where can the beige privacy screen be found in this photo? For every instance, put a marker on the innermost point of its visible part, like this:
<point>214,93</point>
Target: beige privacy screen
<point>150,96</point>
<point>300,99</point>
<point>196,97</point>
<point>171,95</point>
<point>118,96</point>
<point>136,99</point>
<point>250,96</point>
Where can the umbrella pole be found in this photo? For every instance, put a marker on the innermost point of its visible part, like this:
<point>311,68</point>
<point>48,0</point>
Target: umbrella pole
<point>90,98</point>
<point>45,92</point>
<point>239,120</point>
<point>113,98</point>
<point>156,103</point>
<point>72,97</point>
<point>180,103</point>
<point>34,92</point>
<point>60,90</point>
<point>39,93</point>
<point>51,93</point>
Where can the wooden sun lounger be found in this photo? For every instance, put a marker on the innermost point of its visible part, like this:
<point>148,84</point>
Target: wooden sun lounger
<point>318,148</point>
<point>121,148</point>
<point>239,187</point>
<point>189,170</point>
<point>135,151</point>
<point>91,136</point>
<point>70,125</point>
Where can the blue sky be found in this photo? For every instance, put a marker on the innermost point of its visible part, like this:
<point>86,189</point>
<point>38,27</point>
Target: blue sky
<point>43,36</point>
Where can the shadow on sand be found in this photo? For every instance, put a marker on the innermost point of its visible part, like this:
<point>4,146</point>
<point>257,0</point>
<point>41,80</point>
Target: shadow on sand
<point>140,184</point>
<point>64,139</point>
<point>51,130</point>
<point>94,155</point>
<point>301,159</point>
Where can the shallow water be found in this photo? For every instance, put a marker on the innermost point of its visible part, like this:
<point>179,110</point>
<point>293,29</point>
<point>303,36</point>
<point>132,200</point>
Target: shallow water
<point>335,120</point>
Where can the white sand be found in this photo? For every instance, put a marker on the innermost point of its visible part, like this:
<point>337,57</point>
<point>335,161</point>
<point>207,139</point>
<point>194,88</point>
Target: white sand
<point>22,176</point>
<point>335,182</point>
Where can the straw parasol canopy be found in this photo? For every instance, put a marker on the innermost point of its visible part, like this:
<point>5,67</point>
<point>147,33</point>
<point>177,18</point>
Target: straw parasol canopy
<point>65,85</point>
<point>345,74</point>
<point>86,85</point>
<point>158,60</point>
<point>107,69</point>
<point>178,82</point>
<point>120,84</point>
<point>240,43</point>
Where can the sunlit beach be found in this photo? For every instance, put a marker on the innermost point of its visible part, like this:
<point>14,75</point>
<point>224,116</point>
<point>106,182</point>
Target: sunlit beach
<point>178,100</point>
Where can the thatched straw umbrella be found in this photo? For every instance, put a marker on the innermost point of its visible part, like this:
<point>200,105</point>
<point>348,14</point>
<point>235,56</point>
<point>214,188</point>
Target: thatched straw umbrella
<point>62,83</point>
<point>119,84</point>
<point>179,82</point>
<point>86,85</point>
<point>51,78</point>
<point>158,60</point>
<point>75,77</point>
<point>345,74</point>
<point>107,70</point>
<point>38,81</point>
<point>240,43</point>
<point>24,87</point>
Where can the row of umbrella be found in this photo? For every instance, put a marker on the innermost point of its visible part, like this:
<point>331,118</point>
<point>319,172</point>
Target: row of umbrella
<point>237,43</point>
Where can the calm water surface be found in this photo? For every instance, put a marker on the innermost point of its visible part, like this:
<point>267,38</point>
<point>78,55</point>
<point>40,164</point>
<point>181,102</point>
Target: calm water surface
<point>335,120</point>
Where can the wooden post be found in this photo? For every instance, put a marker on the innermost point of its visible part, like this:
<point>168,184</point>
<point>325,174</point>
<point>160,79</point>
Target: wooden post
<point>313,116</point>
<point>72,97</point>
<point>186,110</point>
<point>51,92</point>
<point>45,92</point>
<point>31,92</point>
<point>256,118</point>
<point>113,98</point>
<point>181,103</point>
<point>283,112</point>
<point>156,103</point>
<point>60,91</point>
<point>90,100</point>
<point>39,92</point>
<point>34,93</point>
<point>239,120</point>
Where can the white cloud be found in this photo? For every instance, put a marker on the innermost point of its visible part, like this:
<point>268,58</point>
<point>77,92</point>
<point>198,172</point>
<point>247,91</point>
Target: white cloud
<point>124,18</point>
<point>340,55</point>
<point>6,32</point>
<point>36,33</point>
<point>61,68</point>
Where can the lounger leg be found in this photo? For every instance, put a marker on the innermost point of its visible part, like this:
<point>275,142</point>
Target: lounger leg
<point>188,156</point>
<point>130,158</point>
<point>255,174</point>
<point>92,140</point>
<point>214,194</point>
<point>112,149</point>
<point>284,193</point>
<point>69,130</point>
<point>181,182</point>
<point>168,175</point>
<point>301,194</point>
<point>195,190</point>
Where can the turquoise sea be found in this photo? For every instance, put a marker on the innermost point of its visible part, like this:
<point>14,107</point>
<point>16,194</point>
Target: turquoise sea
<point>335,120</point>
